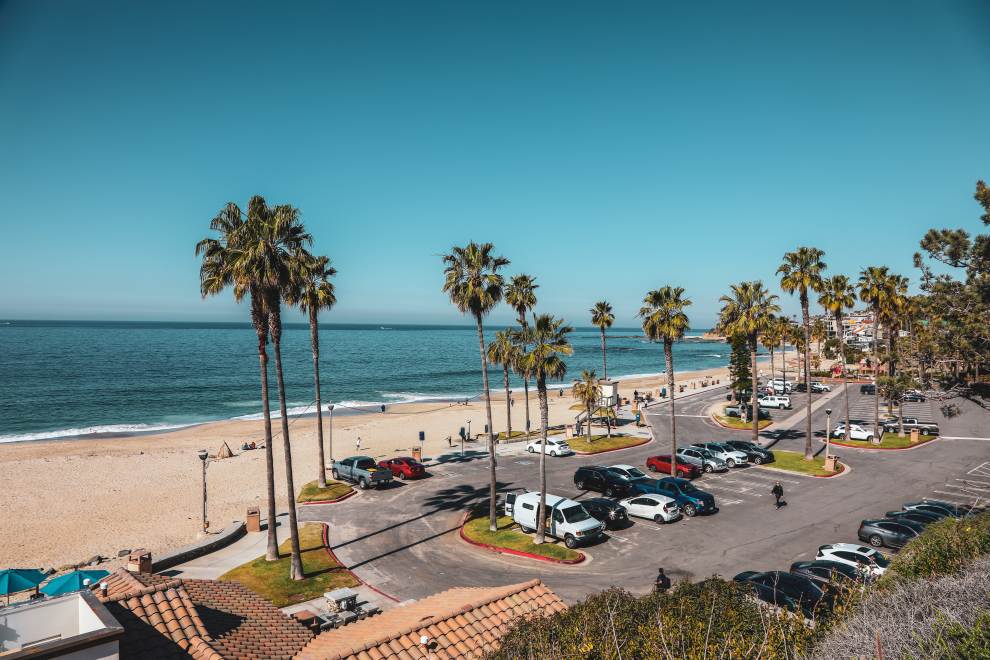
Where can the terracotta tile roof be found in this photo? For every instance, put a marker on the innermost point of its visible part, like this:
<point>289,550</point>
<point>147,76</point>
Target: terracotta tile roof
<point>461,623</point>
<point>202,619</point>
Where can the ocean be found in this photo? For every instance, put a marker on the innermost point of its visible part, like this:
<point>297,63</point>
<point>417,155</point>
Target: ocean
<point>70,379</point>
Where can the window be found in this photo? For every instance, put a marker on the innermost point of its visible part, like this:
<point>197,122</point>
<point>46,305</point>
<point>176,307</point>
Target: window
<point>575,514</point>
<point>557,517</point>
<point>528,507</point>
<point>640,500</point>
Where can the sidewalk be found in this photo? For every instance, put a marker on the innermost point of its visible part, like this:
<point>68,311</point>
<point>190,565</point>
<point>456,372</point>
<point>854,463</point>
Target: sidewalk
<point>211,566</point>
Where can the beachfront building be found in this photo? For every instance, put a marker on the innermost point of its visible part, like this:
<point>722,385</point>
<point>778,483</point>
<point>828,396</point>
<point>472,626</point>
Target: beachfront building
<point>857,329</point>
<point>75,625</point>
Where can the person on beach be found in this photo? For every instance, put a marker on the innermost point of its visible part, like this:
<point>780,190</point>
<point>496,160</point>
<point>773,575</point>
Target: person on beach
<point>358,444</point>
<point>662,582</point>
<point>778,493</point>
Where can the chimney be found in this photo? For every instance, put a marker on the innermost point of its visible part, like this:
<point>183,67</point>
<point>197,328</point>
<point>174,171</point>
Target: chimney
<point>104,588</point>
<point>139,561</point>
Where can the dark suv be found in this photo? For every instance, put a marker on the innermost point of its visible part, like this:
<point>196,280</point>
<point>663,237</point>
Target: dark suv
<point>867,389</point>
<point>601,479</point>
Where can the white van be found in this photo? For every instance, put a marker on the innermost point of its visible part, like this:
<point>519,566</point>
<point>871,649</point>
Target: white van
<point>568,520</point>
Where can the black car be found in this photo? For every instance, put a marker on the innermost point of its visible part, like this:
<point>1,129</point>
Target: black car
<point>886,533</point>
<point>936,508</point>
<point>915,397</point>
<point>826,574</point>
<point>601,479</point>
<point>921,517</point>
<point>868,389</point>
<point>788,590</point>
<point>754,453</point>
<point>608,511</point>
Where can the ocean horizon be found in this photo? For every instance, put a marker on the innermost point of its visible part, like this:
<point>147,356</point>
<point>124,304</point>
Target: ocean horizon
<point>66,379</point>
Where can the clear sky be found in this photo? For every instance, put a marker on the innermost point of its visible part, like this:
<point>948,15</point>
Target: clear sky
<point>606,148</point>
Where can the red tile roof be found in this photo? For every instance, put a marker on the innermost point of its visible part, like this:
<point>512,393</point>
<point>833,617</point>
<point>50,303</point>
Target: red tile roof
<point>461,623</point>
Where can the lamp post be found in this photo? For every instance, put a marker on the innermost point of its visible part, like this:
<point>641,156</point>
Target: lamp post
<point>469,428</point>
<point>204,459</point>
<point>828,431</point>
<point>330,433</point>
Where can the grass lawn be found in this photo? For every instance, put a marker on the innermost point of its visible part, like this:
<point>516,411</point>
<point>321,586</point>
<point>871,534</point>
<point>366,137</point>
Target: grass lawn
<point>510,536</point>
<point>313,493</point>
<point>602,442</point>
<point>515,434</point>
<point>793,461</point>
<point>270,579</point>
<point>736,423</point>
<point>890,441</point>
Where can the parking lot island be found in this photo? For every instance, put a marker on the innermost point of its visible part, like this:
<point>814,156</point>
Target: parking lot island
<point>510,540</point>
<point>734,423</point>
<point>793,461</point>
<point>335,491</point>
<point>602,443</point>
<point>889,441</point>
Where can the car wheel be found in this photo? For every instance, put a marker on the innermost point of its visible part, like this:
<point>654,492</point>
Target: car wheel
<point>876,541</point>
<point>554,453</point>
<point>731,462</point>
<point>869,438</point>
<point>363,483</point>
<point>709,468</point>
<point>780,407</point>
<point>651,468</point>
<point>690,510</point>
<point>402,476</point>
<point>758,460</point>
<point>333,473</point>
<point>570,541</point>
<point>531,450</point>
<point>926,432</point>
<point>526,530</point>
<point>658,519</point>
<point>609,492</point>
<point>580,485</point>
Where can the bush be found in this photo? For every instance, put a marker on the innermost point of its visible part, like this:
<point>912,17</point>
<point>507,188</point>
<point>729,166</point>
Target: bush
<point>945,547</point>
<point>712,619</point>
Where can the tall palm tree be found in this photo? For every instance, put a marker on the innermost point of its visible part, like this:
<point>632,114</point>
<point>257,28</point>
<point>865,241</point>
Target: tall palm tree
<point>770,339</point>
<point>505,352</point>
<point>588,392</point>
<point>664,320</point>
<point>819,333</point>
<point>312,290</point>
<point>221,269</point>
<point>602,316</point>
<point>475,287</point>
<point>781,327</point>
<point>748,310</point>
<point>838,295</point>
<point>549,342</point>
<point>874,290</point>
<point>272,238</point>
<point>520,294</point>
<point>801,271</point>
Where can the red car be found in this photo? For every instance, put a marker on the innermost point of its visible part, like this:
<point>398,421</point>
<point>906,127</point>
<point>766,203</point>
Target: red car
<point>403,467</point>
<point>662,464</point>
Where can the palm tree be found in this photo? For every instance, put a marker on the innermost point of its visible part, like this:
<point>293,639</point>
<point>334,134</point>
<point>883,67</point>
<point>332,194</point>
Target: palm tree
<point>220,269</point>
<point>475,287</point>
<point>549,342</point>
<point>520,294</point>
<point>312,291</point>
<point>748,311</point>
<point>588,392</point>
<point>874,290</point>
<point>781,327</point>
<point>504,352</point>
<point>602,316</point>
<point>836,296</point>
<point>819,333</point>
<point>664,320</point>
<point>800,272</point>
<point>272,238</point>
<point>771,338</point>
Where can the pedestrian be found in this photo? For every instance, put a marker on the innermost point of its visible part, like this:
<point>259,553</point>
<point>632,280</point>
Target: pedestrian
<point>450,441</point>
<point>662,583</point>
<point>358,443</point>
<point>778,493</point>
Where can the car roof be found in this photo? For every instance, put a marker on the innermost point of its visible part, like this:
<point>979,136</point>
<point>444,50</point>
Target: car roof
<point>552,501</point>
<point>674,480</point>
<point>601,500</point>
<point>849,547</point>
<point>624,466</point>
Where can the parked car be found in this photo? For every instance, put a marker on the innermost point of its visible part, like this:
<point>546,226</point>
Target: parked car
<point>774,401</point>
<point>869,560</point>
<point>754,453</point>
<point>661,464</point>
<point>732,457</point>
<point>885,533</point>
<point>690,499</point>
<point>781,386</point>
<point>657,508</point>
<point>856,432</point>
<point>361,470</point>
<point>913,396</point>
<point>630,473</point>
<point>910,423</point>
<point>602,479</point>
<point>568,521</point>
<point>827,574</point>
<point>734,411</point>
<point>938,507</point>
<point>868,389</point>
<point>701,458</point>
<point>788,590</point>
<point>403,467</point>
<point>609,512</point>
<point>820,387</point>
<point>554,447</point>
<point>922,517</point>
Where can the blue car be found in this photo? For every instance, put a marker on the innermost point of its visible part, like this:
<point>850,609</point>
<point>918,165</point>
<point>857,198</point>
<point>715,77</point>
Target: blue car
<point>691,500</point>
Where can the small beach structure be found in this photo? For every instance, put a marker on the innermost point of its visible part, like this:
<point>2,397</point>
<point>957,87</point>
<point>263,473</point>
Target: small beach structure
<point>74,581</point>
<point>14,580</point>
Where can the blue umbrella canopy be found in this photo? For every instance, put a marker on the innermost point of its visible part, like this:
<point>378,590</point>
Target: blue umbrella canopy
<point>73,581</point>
<point>13,580</point>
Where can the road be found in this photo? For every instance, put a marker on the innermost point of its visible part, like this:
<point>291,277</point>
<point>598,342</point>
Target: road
<point>404,540</point>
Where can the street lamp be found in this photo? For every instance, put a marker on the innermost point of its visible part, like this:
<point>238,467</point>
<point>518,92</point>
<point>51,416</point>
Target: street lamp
<point>469,428</point>
<point>204,459</point>
<point>330,433</point>
<point>828,431</point>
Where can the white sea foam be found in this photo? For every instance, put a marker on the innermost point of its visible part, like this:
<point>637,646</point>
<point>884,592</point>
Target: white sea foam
<point>91,430</point>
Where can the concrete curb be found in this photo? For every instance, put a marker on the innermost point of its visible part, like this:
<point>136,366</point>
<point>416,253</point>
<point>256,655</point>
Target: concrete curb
<point>227,535</point>
<point>339,499</point>
<point>645,441</point>
<point>845,470</point>
<point>517,553</point>
<point>326,546</point>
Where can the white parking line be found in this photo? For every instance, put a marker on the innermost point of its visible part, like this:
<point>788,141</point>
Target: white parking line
<point>982,470</point>
<point>734,490</point>
<point>728,502</point>
<point>975,481</point>
<point>956,497</point>
<point>960,437</point>
<point>968,485</point>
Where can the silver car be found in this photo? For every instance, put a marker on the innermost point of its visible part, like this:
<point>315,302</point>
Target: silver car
<point>702,458</point>
<point>732,457</point>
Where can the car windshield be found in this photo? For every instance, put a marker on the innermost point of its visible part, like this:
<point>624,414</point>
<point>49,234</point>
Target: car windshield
<point>575,514</point>
<point>880,560</point>
<point>365,463</point>
<point>688,488</point>
<point>635,473</point>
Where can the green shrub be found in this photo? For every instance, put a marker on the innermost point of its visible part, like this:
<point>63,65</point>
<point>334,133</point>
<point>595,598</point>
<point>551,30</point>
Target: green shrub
<point>956,640</point>
<point>944,547</point>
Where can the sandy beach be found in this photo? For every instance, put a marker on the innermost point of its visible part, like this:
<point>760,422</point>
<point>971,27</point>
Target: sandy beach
<point>65,501</point>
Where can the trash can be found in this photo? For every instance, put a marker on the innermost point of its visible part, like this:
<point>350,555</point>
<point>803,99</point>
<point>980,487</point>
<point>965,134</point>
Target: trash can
<point>915,437</point>
<point>417,454</point>
<point>253,522</point>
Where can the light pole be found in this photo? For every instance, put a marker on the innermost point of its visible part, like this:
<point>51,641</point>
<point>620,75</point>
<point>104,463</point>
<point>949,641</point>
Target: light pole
<point>204,459</point>
<point>828,431</point>
<point>469,428</point>
<point>330,433</point>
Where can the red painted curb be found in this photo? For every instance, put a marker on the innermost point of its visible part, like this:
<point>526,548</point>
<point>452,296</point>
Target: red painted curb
<point>339,499</point>
<point>326,546</point>
<point>605,451</point>
<point>518,553</point>
<point>829,476</point>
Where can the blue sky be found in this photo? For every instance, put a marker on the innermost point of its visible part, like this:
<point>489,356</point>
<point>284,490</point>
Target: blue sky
<point>607,148</point>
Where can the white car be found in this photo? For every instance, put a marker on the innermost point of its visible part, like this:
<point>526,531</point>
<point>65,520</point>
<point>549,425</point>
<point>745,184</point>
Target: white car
<point>868,560</point>
<point>732,457</point>
<point>780,386</point>
<point>658,508</point>
<point>820,387</point>
<point>774,401</point>
<point>856,432</point>
<point>555,447</point>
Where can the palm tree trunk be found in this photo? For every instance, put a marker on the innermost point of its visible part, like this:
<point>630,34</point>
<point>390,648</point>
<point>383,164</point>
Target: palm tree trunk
<point>806,321</point>
<point>508,404</point>
<point>604,361</point>
<point>876,390</point>
<point>752,390</point>
<point>845,375</point>
<point>541,527</point>
<point>275,323</point>
<point>271,551</point>
<point>668,356</point>
<point>522,324</point>
<point>314,338</point>
<point>772,373</point>
<point>492,520</point>
<point>900,418</point>
<point>588,408</point>
<point>783,363</point>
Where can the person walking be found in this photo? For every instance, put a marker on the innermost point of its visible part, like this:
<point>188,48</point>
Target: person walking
<point>358,444</point>
<point>778,493</point>
<point>662,582</point>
